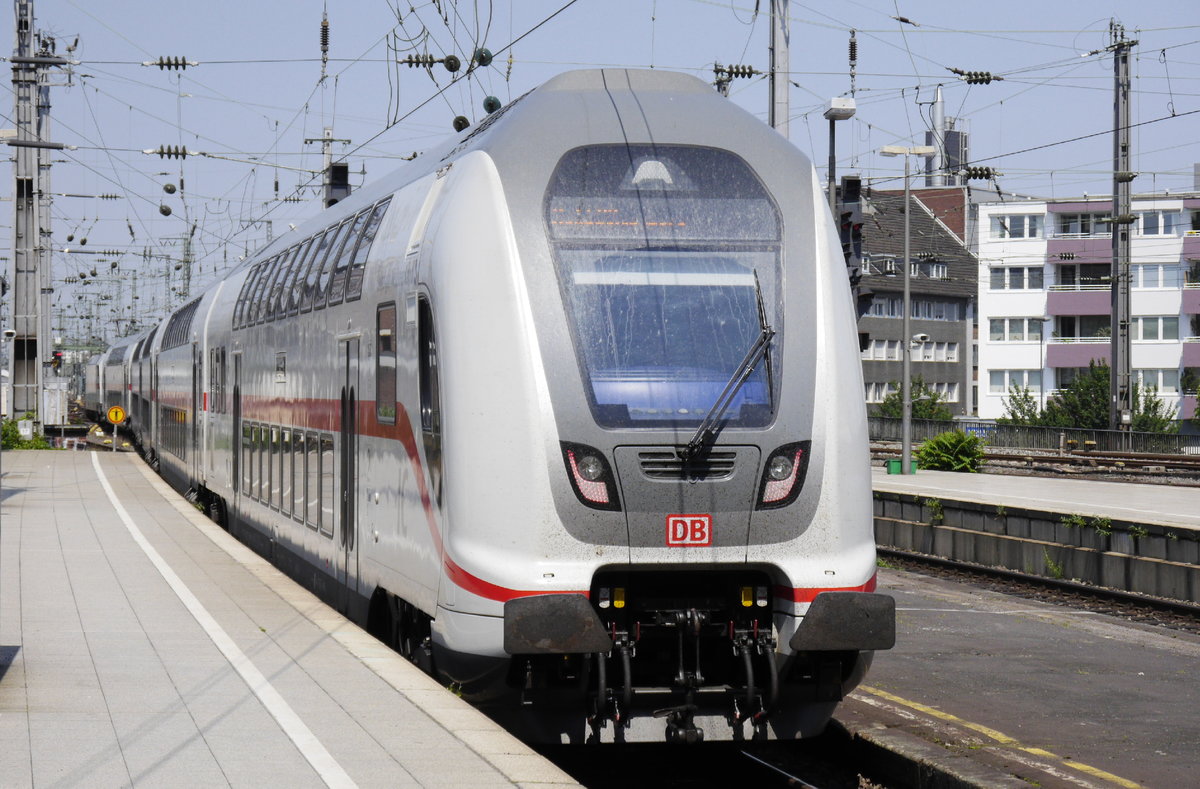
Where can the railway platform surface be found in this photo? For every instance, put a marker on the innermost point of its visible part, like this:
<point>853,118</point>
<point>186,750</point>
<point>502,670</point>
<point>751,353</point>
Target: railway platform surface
<point>1165,505</point>
<point>141,645</point>
<point>1051,695</point>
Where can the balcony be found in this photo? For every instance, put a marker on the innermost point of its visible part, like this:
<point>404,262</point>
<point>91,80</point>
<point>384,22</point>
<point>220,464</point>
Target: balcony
<point>1191,352</point>
<point>1077,351</point>
<point>1080,300</point>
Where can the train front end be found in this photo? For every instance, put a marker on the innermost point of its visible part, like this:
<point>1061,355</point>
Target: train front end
<point>704,567</point>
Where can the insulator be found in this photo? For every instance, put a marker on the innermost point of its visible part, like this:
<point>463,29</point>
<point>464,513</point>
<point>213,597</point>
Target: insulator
<point>165,210</point>
<point>460,123</point>
<point>324,35</point>
<point>452,63</point>
<point>491,104</point>
<point>483,56</point>
<point>853,49</point>
<point>169,188</point>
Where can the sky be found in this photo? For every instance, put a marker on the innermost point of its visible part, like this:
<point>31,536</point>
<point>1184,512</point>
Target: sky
<point>259,90</point>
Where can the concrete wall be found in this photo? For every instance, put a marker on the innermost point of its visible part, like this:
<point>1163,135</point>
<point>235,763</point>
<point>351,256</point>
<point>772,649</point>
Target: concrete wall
<point>1134,557</point>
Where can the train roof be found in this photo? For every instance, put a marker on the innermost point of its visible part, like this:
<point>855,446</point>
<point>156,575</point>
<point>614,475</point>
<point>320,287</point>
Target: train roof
<point>590,106</point>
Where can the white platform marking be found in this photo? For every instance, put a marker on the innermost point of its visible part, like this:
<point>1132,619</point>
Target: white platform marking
<point>305,741</point>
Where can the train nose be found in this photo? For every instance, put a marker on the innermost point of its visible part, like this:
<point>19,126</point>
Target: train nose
<point>703,500</point>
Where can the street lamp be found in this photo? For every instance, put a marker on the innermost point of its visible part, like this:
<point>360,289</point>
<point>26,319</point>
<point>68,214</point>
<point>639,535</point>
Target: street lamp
<point>906,414</point>
<point>840,109</point>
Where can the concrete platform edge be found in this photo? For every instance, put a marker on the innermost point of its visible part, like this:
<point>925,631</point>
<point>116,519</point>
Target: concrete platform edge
<point>508,755</point>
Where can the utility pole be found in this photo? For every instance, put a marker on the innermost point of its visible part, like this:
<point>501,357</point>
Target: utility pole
<point>778,110</point>
<point>31,351</point>
<point>337,174</point>
<point>1121,377</point>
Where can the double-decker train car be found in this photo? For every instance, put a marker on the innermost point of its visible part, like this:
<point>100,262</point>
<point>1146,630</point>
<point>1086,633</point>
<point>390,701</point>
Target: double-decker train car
<point>568,411</point>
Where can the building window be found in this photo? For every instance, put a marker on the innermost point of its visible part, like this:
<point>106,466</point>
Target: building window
<point>1083,328</point>
<point>1163,381</point>
<point>1151,328</point>
<point>1156,275</point>
<point>1160,223</point>
<point>1084,276</point>
<point>922,309</point>
<point>1084,224</point>
<point>1017,278</point>
<point>1015,330</point>
<point>1002,381</point>
<point>1017,226</point>
<point>947,391</point>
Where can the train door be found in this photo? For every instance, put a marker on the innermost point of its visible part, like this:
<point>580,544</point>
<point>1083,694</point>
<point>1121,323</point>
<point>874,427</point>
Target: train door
<point>195,463</point>
<point>237,442</point>
<point>347,542</point>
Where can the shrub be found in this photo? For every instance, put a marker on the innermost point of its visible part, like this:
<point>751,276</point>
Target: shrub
<point>10,437</point>
<point>951,451</point>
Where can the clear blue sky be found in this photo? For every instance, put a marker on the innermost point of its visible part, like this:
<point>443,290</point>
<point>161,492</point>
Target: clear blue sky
<point>257,94</point>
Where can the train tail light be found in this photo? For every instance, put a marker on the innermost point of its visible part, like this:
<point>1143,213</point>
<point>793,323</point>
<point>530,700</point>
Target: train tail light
<point>591,477</point>
<point>783,475</point>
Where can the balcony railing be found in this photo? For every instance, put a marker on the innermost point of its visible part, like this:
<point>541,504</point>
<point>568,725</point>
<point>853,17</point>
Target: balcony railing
<point>1080,339</point>
<point>1075,288</point>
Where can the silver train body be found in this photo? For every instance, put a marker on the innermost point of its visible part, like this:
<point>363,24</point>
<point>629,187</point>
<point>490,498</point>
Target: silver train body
<point>468,405</point>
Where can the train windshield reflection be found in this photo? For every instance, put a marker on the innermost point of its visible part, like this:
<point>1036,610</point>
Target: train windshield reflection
<point>657,249</point>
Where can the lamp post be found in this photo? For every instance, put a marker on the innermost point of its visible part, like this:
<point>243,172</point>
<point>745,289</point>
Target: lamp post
<point>906,343</point>
<point>840,109</point>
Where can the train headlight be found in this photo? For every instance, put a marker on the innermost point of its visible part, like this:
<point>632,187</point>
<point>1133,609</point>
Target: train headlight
<point>591,468</point>
<point>780,467</point>
<point>783,475</point>
<point>591,478</point>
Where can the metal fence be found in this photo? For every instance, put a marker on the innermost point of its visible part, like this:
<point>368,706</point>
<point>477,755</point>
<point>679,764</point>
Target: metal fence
<point>1050,438</point>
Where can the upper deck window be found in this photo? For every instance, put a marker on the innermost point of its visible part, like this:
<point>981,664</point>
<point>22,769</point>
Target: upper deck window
<point>663,253</point>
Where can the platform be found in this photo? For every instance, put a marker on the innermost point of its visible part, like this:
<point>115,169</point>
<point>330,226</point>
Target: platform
<point>1162,505</point>
<point>141,645</point>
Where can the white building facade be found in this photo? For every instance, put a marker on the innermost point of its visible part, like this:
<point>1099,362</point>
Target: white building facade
<point>1044,302</point>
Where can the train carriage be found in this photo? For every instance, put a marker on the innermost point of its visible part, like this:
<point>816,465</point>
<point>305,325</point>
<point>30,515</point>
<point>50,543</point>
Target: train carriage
<point>567,411</point>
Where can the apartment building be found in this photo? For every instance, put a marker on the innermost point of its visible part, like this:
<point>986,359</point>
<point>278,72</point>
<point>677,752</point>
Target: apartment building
<point>1044,296</point>
<point>942,285</point>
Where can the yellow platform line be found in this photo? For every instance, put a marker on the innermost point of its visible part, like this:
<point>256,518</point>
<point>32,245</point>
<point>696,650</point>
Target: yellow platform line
<point>1001,737</point>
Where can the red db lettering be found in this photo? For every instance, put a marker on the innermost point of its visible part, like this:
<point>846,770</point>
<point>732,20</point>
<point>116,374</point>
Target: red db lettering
<point>689,530</point>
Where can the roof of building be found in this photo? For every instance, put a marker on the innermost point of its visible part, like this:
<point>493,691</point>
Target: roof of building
<point>930,240</point>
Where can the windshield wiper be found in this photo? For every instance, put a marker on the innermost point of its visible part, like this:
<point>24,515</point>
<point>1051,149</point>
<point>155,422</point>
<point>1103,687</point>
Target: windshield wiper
<point>712,424</point>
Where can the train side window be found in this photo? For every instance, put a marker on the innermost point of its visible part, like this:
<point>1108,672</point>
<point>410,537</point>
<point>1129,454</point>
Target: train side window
<point>277,306</point>
<point>298,476</point>
<point>385,363</point>
<point>271,493</point>
<point>297,281</point>
<point>239,309</point>
<point>320,252</point>
<point>335,248</point>
<point>312,482</point>
<point>258,300</point>
<point>354,282</point>
<point>327,485</point>
<point>256,464</point>
<point>271,309</point>
<point>287,467</point>
<point>337,285</point>
<point>247,454</point>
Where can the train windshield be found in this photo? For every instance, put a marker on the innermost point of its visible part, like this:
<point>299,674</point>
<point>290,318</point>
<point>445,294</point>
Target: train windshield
<point>658,249</point>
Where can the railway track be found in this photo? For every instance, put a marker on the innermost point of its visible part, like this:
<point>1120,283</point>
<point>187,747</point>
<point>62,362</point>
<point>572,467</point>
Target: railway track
<point>1156,611</point>
<point>1090,464</point>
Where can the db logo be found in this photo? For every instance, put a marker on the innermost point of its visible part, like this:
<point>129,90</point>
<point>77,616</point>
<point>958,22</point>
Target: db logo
<point>686,530</point>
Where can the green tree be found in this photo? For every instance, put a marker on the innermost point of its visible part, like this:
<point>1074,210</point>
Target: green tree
<point>1020,407</point>
<point>926,403</point>
<point>1083,404</point>
<point>1151,414</point>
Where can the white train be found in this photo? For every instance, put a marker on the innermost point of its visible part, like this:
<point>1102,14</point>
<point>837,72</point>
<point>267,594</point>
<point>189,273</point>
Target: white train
<point>569,412</point>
